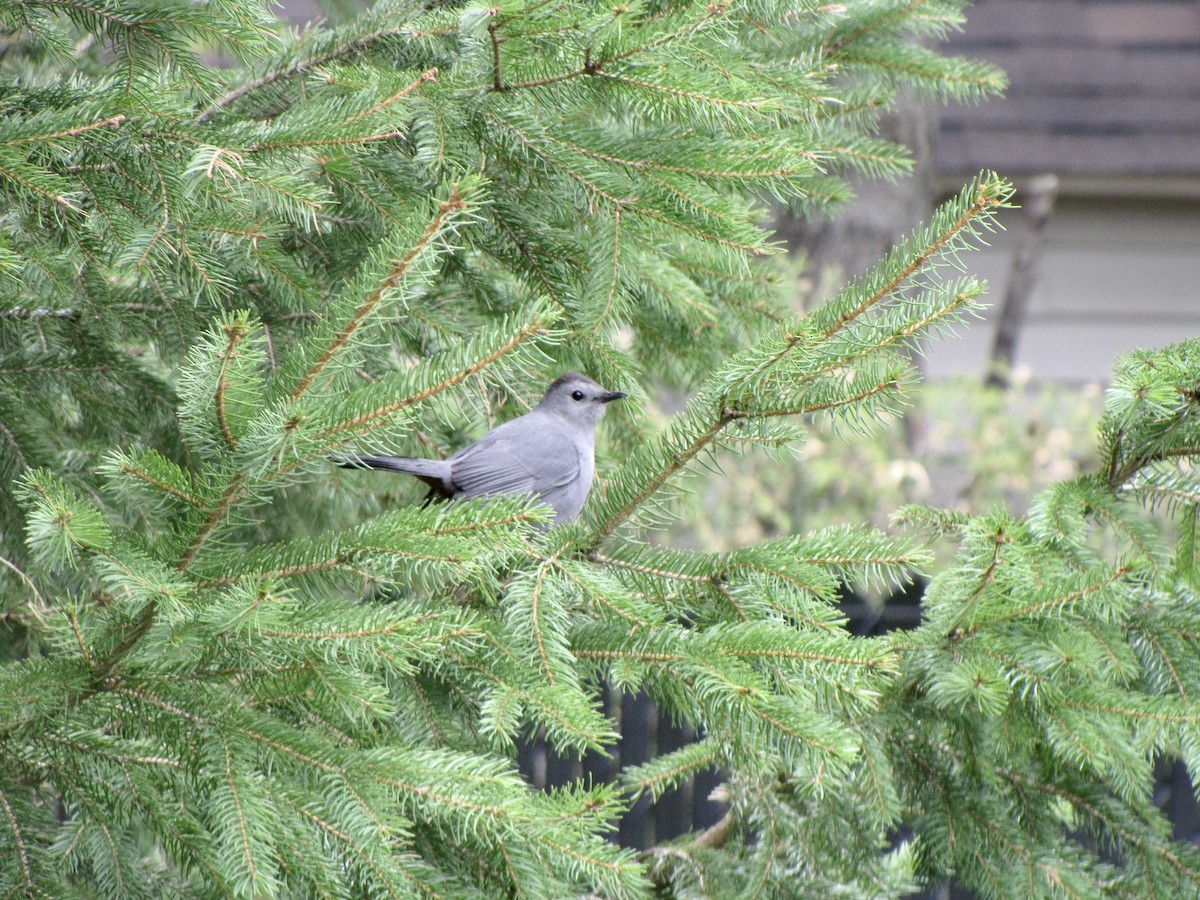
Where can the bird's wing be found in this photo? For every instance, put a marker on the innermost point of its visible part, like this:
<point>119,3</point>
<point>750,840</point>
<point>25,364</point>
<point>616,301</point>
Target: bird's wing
<point>504,461</point>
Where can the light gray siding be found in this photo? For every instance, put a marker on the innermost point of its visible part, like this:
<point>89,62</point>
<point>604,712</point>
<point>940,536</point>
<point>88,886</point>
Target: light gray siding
<point>1114,275</point>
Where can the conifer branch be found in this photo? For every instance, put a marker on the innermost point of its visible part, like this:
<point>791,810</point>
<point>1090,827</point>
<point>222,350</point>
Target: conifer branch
<point>629,204</point>
<point>37,189</point>
<point>638,655</point>
<point>550,712</point>
<point>235,332</point>
<point>373,417</point>
<point>662,658</point>
<point>874,24</point>
<point>101,671</point>
<point>537,625</point>
<point>614,274</point>
<point>497,75</point>
<point>142,696</point>
<point>165,201</point>
<point>595,67</point>
<point>21,312</point>
<point>659,166</point>
<point>361,633</point>
<point>600,598</point>
<point>739,564</point>
<point>1165,658</point>
<point>159,484</point>
<point>37,605</point>
<point>1128,713</point>
<point>229,497</point>
<point>523,248</point>
<point>1124,528</point>
<point>140,759</point>
<point>888,663</point>
<point>15,446</point>
<point>323,565</point>
<point>1172,494</point>
<point>614,867</point>
<point>861,156</point>
<point>287,750</point>
<point>354,140</point>
<point>472,527</point>
<point>980,80</point>
<point>783,728</point>
<point>301,66</point>
<point>707,209</point>
<point>1082,804</point>
<point>588,68</point>
<point>1119,473</point>
<point>514,879</point>
<point>426,76</point>
<point>695,96</point>
<point>693,762</point>
<point>427,793</point>
<point>1034,609</point>
<point>338,561</point>
<point>108,16</point>
<point>750,249</point>
<point>14,828</point>
<point>852,400</point>
<point>84,653</point>
<point>231,783</point>
<point>725,594</point>
<point>112,122</point>
<point>533,148</point>
<point>453,204</point>
<point>598,557</point>
<point>677,462</point>
<point>988,194</point>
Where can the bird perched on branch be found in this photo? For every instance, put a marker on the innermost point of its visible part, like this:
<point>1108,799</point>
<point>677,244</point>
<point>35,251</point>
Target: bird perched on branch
<point>548,452</point>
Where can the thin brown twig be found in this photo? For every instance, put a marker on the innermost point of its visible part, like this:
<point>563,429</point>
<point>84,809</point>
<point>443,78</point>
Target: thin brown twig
<point>162,485</point>
<point>497,76</point>
<point>229,497</point>
<point>298,67</point>
<point>595,67</point>
<point>35,606</point>
<point>110,122</point>
<point>235,332</point>
<point>382,412</point>
<point>448,207</point>
<point>426,76</point>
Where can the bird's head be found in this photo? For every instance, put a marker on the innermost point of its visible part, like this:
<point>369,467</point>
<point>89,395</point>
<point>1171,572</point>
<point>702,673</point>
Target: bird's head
<point>577,398</point>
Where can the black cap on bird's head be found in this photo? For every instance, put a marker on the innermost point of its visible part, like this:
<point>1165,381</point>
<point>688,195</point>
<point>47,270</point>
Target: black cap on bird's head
<point>578,397</point>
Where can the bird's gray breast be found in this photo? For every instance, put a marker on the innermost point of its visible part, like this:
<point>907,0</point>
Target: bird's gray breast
<point>567,499</point>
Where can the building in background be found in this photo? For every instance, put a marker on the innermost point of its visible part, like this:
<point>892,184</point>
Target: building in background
<point>1104,94</point>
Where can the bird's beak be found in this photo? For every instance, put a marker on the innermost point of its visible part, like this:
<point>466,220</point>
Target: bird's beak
<point>611,396</point>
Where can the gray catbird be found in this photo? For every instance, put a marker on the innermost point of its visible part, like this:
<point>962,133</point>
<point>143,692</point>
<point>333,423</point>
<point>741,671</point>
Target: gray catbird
<point>549,452</point>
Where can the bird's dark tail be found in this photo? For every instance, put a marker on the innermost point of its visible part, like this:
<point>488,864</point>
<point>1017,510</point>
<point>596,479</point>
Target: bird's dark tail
<point>434,472</point>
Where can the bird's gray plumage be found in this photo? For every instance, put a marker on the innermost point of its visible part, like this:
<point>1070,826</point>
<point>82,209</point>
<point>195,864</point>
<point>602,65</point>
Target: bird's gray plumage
<point>548,452</point>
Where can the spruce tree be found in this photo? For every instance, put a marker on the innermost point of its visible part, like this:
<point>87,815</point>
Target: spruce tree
<point>232,670</point>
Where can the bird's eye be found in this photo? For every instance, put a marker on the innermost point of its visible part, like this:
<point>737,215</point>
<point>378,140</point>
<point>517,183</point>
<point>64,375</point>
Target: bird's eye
<point>577,395</point>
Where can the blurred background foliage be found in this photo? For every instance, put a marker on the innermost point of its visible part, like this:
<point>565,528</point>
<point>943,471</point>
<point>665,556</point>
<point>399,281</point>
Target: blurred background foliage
<point>961,446</point>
